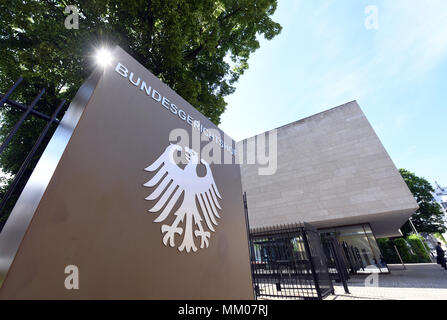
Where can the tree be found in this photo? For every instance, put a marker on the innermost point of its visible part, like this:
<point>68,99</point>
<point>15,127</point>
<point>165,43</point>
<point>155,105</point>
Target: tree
<point>429,217</point>
<point>411,249</point>
<point>199,48</point>
<point>184,43</point>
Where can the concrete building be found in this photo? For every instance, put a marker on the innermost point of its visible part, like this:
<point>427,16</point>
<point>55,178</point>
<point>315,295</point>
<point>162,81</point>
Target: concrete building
<point>334,173</point>
<point>440,196</point>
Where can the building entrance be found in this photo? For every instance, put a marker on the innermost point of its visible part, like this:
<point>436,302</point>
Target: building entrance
<point>359,247</point>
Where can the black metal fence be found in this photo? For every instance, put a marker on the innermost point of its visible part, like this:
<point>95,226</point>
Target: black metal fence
<point>288,262</point>
<point>336,262</point>
<point>27,111</point>
<point>354,260</point>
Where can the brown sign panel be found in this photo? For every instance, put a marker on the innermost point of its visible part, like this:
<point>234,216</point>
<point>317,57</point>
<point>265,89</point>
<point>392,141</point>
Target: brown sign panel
<point>134,224</point>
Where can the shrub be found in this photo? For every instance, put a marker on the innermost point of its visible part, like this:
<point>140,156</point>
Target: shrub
<point>410,249</point>
<point>387,249</point>
<point>417,245</point>
<point>405,251</point>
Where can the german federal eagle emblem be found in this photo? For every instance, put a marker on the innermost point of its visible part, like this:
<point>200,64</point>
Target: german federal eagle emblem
<point>200,198</point>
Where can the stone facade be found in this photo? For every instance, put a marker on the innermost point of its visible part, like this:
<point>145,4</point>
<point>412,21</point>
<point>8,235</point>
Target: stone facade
<point>332,170</point>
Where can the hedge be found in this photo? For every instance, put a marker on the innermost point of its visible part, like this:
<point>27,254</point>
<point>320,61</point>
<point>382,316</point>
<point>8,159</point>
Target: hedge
<point>405,251</point>
<point>411,249</point>
<point>417,244</point>
<point>388,252</point>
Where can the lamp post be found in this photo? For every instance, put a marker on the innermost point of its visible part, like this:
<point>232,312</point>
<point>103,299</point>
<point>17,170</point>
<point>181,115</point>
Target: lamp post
<point>417,233</point>
<point>413,227</point>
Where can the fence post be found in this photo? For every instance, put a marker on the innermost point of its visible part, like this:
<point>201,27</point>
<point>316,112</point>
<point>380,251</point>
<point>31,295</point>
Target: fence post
<point>250,246</point>
<point>13,87</point>
<point>28,159</point>
<point>312,266</point>
<point>21,120</point>
<point>340,268</point>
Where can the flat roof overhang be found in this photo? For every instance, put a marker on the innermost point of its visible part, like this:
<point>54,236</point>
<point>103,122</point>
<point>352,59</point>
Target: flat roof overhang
<point>384,225</point>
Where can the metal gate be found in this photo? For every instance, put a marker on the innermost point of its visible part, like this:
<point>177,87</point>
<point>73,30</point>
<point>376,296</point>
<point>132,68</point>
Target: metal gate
<point>337,266</point>
<point>288,262</point>
<point>28,110</point>
<point>352,254</point>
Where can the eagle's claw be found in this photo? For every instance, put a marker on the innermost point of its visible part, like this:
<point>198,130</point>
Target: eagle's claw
<point>170,234</point>
<point>204,236</point>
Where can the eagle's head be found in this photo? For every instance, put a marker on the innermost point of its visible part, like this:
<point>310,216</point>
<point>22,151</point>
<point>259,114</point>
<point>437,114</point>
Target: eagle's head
<point>191,156</point>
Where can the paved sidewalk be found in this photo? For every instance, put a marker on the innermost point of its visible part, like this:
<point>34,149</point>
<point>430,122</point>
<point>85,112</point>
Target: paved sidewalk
<point>422,281</point>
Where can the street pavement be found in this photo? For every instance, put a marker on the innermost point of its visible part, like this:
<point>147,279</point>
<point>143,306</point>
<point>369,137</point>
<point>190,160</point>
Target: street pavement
<point>420,281</point>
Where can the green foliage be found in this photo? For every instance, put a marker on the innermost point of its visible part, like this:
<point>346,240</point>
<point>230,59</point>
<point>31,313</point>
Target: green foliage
<point>387,249</point>
<point>429,217</point>
<point>404,250</point>
<point>184,43</point>
<point>417,244</point>
<point>440,237</point>
<point>199,48</point>
<point>410,249</point>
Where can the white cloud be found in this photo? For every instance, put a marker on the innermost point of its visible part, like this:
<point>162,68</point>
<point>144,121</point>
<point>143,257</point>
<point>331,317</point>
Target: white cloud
<point>414,39</point>
<point>410,42</point>
<point>325,57</point>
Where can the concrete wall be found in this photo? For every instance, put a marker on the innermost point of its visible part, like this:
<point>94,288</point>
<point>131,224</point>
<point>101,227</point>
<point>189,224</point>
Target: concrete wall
<point>332,171</point>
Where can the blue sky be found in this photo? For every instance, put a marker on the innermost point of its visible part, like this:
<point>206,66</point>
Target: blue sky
<point>325,56</point>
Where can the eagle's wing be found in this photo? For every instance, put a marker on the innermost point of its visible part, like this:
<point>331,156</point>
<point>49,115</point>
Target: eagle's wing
<point>170,174</point>
<point>174,181</point>
<point>207,196</point>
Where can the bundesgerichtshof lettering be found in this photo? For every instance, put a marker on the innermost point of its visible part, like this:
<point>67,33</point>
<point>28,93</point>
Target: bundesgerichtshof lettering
<point>167,104</point>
